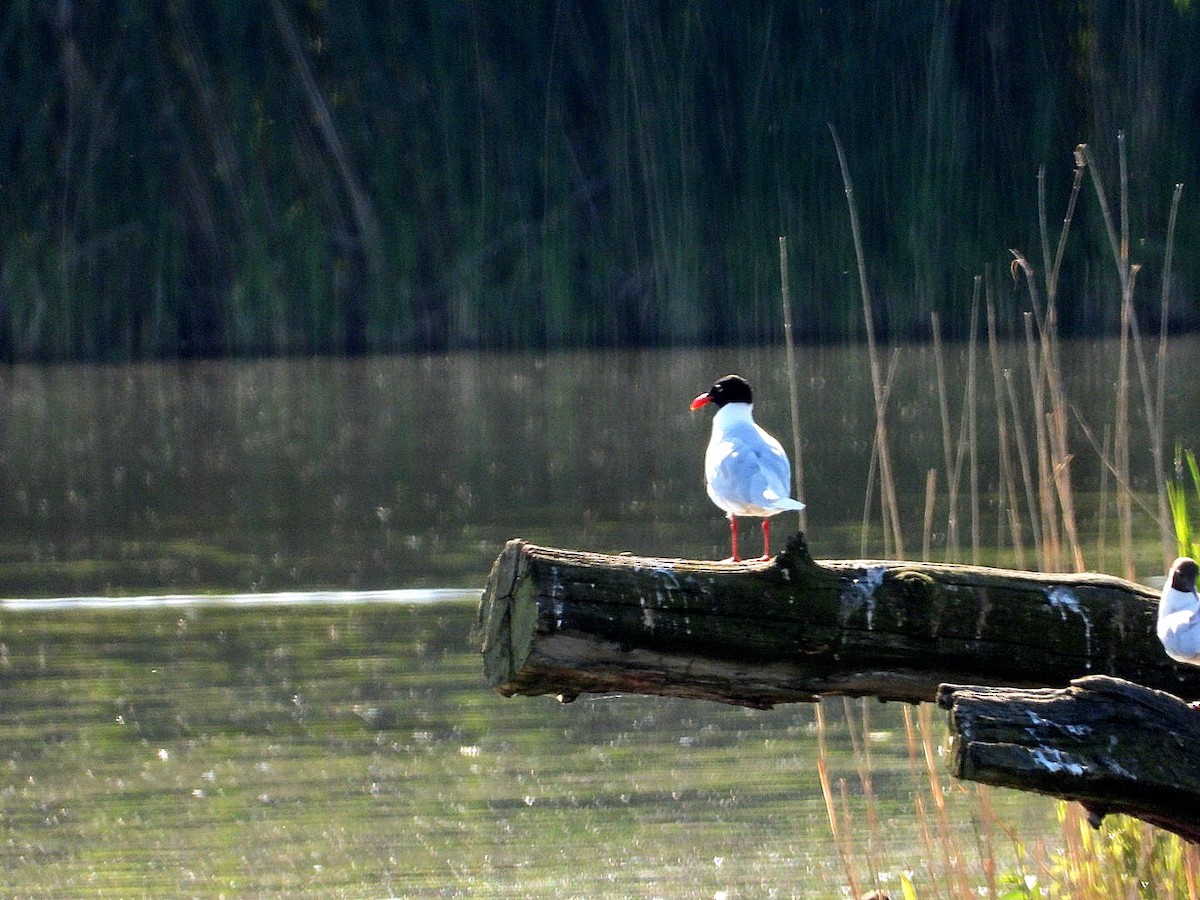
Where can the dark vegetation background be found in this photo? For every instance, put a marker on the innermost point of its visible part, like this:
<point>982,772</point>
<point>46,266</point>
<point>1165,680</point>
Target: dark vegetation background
<point>208,177</point>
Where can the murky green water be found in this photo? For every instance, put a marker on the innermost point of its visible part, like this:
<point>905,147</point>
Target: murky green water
<point>341,743</point>
<point>348,750</point>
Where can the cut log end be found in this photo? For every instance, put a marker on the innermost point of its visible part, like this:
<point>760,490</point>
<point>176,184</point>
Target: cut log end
<point>565,622</point>
<point>503,629</point>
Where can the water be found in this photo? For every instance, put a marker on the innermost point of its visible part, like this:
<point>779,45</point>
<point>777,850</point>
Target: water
<point>326,750</point>
<point>235,660</point>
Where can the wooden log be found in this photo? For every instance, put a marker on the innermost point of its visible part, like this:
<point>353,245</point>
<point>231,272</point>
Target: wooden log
<point>791,629</point>
<point>1113,746</point>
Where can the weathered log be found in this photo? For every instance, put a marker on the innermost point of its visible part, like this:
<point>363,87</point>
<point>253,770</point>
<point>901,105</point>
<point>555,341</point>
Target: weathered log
<point>790,629</point>
<point>1113,746</point>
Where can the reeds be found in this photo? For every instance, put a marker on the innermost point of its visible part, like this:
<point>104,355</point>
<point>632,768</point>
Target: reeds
<point>881,453</point>
<point>966,847</point>
<point>1153,392</point>
<point>1033,415</point>
<point>225,178</point>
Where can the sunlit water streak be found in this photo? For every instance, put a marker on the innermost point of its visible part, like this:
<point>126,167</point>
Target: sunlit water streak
<point>404,596</point>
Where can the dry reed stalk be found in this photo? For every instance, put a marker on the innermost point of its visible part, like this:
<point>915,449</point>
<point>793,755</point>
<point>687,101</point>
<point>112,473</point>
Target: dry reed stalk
<point>1161,381</point>
<point>887,482</point>
<point>1076,850</point>
<point>1008,482</point>
<point>1062,483</point>
<point>874,469</point>
<point>793,388</point>
<point>1057,503</point>
<point>1058,400</point>
<point>970,408</point>
<point>910,734</point>
<point>1102,511</point>
<point>1146,850</point>
<point>1050,406</point>
<point>1152,395</point>
<point>1054,268</point>
<point>1052,517</point>
<point>868,498</point>
<point>953,854</point>
<point>843,844</point>
<point>952,548</point>
<point>1121,443</point>
<point>1110,464</point>
<point>1126,275</point>
<point>848,819</point>
<point>1027,479</point>
<point>1059,447</point>
<point>1165,301</point>
<point>927,526</point>
<point>1155,429</point>
<point>1050,548</point>
<point>1024,857</point>
<point>862,766</point>
<point>987,824</point>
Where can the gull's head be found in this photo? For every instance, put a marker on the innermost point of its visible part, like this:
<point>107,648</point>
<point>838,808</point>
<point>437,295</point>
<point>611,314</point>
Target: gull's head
<point>1184,572</point>
<point>730,389</point>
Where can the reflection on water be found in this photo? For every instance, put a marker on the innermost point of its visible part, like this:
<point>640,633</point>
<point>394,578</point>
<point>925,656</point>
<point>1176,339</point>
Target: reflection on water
<point>389,472</point>
<point>286,702</point>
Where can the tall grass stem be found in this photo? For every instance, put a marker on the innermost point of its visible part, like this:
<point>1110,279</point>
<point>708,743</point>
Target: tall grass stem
<point>1008,484</point>
<point>886,481</point>
<point>793,387</point>
<point>952,544</point>
<point>831,810</point>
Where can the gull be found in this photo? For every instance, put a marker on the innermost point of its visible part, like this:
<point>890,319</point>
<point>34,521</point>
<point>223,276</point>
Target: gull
<point>746,471</point>
<point>1179,613</point>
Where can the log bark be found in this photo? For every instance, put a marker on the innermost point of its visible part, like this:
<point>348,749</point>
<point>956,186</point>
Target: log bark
<point>1113,746</point>
<point>791,629</point>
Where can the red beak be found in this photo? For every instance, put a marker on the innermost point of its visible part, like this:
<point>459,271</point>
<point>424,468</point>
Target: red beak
<point>700,401</point>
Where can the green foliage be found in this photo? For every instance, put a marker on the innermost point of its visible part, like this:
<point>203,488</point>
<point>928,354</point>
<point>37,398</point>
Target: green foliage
<point>1123,858</point>
<point>1018,887</point>
<point>207,178</point>
<point>1177,498</point>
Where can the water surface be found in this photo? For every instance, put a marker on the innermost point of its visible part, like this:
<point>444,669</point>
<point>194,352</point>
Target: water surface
<point>399,472</point>
<point>234,655</point>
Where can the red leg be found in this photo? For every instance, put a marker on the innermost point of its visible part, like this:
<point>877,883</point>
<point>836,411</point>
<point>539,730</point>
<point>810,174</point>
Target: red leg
<point>766,538</point>
<point>733,537</point>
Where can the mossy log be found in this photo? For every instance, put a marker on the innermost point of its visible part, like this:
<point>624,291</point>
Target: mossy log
<point>1113,746</point>
<point>791,629</point>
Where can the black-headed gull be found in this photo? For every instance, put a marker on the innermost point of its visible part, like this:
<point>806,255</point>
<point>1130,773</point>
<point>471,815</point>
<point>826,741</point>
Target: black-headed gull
<point>746,471</point>
<point>1179,613</point>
